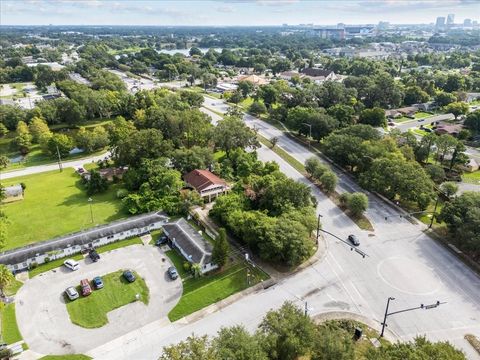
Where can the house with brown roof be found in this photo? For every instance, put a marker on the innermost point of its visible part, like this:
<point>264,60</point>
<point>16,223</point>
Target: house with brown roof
<point>207,184</point>
<point>450,129</point>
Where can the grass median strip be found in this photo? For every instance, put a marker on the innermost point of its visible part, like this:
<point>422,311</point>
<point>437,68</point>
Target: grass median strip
<point>91,311</point>
<point>297,165</point>
<point>10,332</point>
<point>66,357</point>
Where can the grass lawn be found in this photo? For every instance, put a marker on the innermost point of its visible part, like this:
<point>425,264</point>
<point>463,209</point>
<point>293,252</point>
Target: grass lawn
<point>91,311</point>
<point>66,357</point>
<point>119,244</point>
<point>13,287</point>
<point>206,290</point>
<point>422,115</point>
<point>51,265</point>
<point>55,204</point>
<point>472,178</point>
<point>10,332</point>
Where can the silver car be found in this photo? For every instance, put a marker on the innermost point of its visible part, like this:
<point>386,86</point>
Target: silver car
<point>72,293</point>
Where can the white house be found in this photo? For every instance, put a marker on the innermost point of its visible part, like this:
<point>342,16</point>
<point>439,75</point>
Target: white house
<point>191,244</point>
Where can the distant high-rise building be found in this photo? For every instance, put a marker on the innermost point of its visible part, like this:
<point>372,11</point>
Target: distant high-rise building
<point>383,25</point>
<point>440,22</point>
<point>467,22</point>
<point>450,19</point>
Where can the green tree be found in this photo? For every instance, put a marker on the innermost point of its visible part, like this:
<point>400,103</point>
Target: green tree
<point>221,248</point>
<point>23,140</point>
<point>194,348</point>
<point>246,88</point>
<point>328,181</point>
<point>59,143</point>
<point>96,184</point>
<point>143,144</point>
<point>237,343</point>
<point>462,216</point>
<point>186,160</point>
<point>420,348</point>
<point>414,95</point>
<point>449,188</point>
<point>3,130</point>
<point>457,109</point>
<point>257,108</point>
<point>436,173</point>
<point>286,333</point>
<point>39,130</point>
<point>231,133</point>
<point>472,121</point>
<point>6,278</point>
<point>374,117</point>
<point>444,98</point>
<point>357,203</point>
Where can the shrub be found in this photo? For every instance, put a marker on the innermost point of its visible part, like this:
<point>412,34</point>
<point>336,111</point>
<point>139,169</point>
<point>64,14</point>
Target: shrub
<point>121,193</point>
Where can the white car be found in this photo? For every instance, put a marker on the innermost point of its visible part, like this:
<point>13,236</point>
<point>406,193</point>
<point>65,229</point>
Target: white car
<point>72,293</point>
<point>71,264</point>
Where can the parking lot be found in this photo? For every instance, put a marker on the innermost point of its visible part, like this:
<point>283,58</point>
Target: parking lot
<point>43,318</point>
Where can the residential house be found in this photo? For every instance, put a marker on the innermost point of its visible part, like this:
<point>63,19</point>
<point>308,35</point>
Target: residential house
<point>405,111</point>
<point>471,166</point>
<point>208,185</point>
<point>254,79</point>
<point>191,244</point>
<point>109,173</point>
<point>38,253</point>
<point>450,129</point>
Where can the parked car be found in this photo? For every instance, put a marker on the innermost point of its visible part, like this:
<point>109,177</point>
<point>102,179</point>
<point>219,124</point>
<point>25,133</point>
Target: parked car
<point>162,240</point>
<point>354,240</point>
<point>72,293</point>
<point>128,275</point>
<point>71,264</point>
<point>97,282</point>
<point>80,170</point>
<point>93,255</point>
<point>420,120</point>
<point>172,272</point>
<point>86,288</point>
<point>391,123</point>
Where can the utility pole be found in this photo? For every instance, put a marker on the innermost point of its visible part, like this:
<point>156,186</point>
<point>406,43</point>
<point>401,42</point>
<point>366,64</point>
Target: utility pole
<point>310,139</point>
<point>422,306</point>
<point>434,212</point>
<point>59,159</point>
<point>90,200</point>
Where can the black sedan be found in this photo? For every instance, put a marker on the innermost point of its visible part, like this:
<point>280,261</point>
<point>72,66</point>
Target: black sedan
<point>128,275</point>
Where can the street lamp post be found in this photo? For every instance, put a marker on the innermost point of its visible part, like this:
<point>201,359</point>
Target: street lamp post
<point>90,200</point>
<point>434,212</point>
<point>310,139</point>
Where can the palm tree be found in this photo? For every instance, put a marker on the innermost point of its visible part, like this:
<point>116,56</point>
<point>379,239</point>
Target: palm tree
<point>6,278</point>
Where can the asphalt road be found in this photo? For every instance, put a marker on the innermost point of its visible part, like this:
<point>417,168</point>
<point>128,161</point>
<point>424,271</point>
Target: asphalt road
<point>50,167</point>
<point>403,262</point>
<point>42,315</point>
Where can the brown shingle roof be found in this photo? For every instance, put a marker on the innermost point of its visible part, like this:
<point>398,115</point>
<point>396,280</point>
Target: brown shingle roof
<point>201,179</point>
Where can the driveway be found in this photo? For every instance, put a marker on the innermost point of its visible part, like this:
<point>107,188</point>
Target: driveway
<point>42,315</point>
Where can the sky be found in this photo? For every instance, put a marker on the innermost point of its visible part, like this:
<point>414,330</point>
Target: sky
<point>231,12</point>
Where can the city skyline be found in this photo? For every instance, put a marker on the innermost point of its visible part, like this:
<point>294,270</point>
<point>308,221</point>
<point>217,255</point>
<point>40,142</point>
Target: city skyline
<point>235,12</point>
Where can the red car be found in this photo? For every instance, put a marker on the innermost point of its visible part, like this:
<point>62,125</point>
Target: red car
<point>86,288</point>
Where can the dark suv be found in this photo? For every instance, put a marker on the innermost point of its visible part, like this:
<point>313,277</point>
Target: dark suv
<point>93,255</point>
<point>172,272</point>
